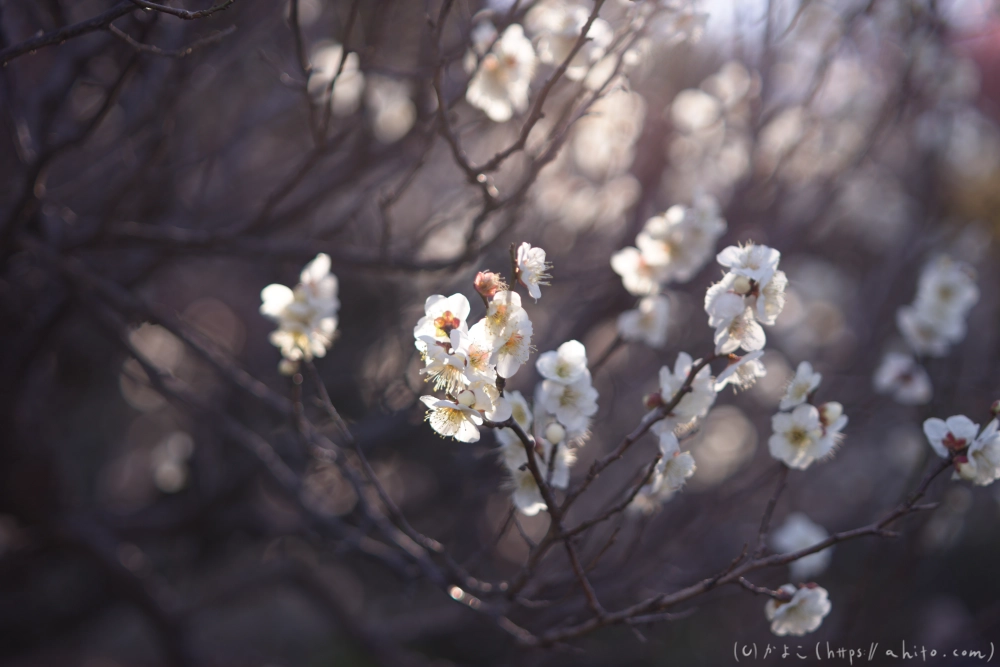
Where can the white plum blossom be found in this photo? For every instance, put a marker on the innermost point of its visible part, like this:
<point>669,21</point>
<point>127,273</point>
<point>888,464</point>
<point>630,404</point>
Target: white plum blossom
<point>646,323</point>
<point>670,475</point>
<point>676,467</point>
<point>639,276</point>
<point>756,262</point>
<point>446,363</point>
<point>751,293</point>
<point>442,315</point>
<point>800,615</point>
<point>683,238</point>
<point>532,269</point>
<point>800,532</point>
<point>946,289</point>
<point>515,345</point>
<point>521,412</point>
<point>346,81</point>
<point>740,331</point>
<point>306,315</point>
<point>566,365</point>
<point>501,83</point>
<point>926,333</point>
<point>699,399</point>
<point>771,298</point>
<point>802,385</point>
<point>980,464</point>
<point>951,435</point>
<point>453,419</point>
<point>526,495</point>
<point>901,376</point>
<point>558,25</point>
<point>572,404</point>
<point>798,437</point>
<point>503,306</point>
<point>671,247</point>
<point>742,372</point>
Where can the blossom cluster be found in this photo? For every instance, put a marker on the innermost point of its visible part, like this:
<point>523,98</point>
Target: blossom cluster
<point>750,294</point>
<point>306,314</point>
<point>503,65</point>
<point>930,325</point>
<point>564,403</point>
<point>671,247</point>
<point>687,395</point>
<point>974,452</point>
<point>803,432</point>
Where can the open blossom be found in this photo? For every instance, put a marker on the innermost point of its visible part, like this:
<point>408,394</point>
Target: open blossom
<point>935,320</point>
<point>442,315</point>
<point>558,25</point>
<point>901,376</point>
<point>521,412</point>
<point>445,363</point>
<point>566,365</point>
<point>504,305</point>
<point>742,372</point>
<point>928,332</point>
<point>770,298</point>
<point>452,419</point>
<point>647,323</point>
<point>980,464</point>
<point>696,402</point>
<point>949,436</point>
<point>532,269</point>
<point>515,345</point>
<point>572,404</point>
<point>739,331</point>
<point>671,473</point>
<point>307,314</point>
<point>640,275</point>
<point>798,437</point>
<point>501,83</point>
<point>756,262</point>
<point>799,532</point>
<point>800,615</point>
<point>683,238</point>
<point>676,467</point>
<point>524,489</point>
<point>946,288</point>
<point>804,383</point>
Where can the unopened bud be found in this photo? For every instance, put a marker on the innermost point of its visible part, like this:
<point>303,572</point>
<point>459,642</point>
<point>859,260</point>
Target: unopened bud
<point>467,398</point>
<point>830,412</point>
<point>488,283</point>
<point>653,400</point>
<point>742,285</point>
<point>995,408</point>
<point>555,433</point>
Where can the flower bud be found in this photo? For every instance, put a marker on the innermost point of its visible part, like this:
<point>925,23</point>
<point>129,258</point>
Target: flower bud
<point>830,412</point>
<point>555,433</point>
<point>995,409</point>
<point>742,285</point>
<point>653,400</point>
<point>488,283</point>
<point>466,398</point>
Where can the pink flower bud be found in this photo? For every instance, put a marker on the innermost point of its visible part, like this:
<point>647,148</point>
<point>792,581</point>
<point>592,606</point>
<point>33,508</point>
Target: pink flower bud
<point>488,283</point>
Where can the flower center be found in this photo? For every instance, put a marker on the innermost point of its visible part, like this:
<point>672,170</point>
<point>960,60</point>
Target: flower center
<point>444,325</point>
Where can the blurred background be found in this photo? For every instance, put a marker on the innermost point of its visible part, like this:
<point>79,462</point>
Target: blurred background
<point>159,170</point>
